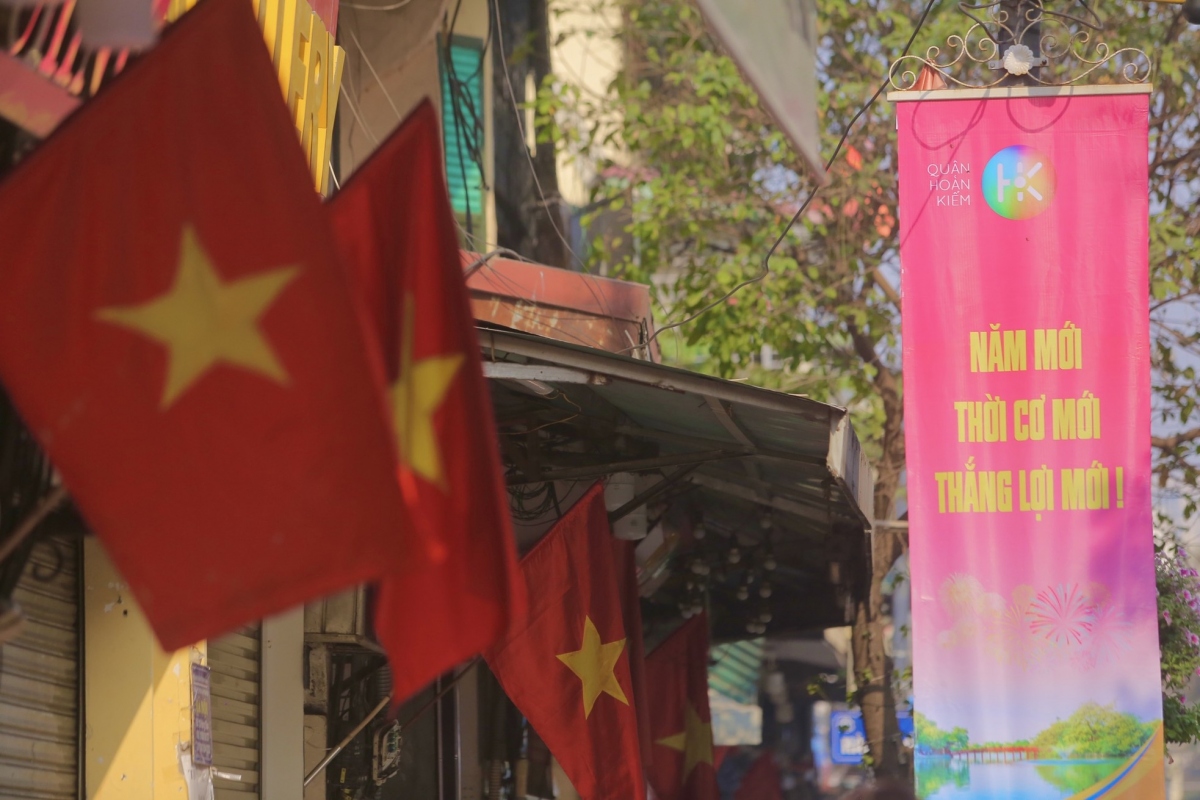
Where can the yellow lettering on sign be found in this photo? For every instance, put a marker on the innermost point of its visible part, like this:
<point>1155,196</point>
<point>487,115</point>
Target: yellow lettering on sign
<point>309,66</point>
<point>332,90</point>
<point>270,14</point>
<point>177,8</point>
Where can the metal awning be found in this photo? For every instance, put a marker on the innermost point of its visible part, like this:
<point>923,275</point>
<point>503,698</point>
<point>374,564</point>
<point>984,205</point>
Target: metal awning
<point>762,468</point>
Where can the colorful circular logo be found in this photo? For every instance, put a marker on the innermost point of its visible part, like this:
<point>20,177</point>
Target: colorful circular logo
<point>1019,182</point>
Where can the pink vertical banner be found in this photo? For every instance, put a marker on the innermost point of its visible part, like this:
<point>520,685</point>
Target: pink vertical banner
<point>1024,245</point>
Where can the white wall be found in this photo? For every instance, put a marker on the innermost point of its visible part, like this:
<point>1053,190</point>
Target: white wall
<point>391,65</point>
<point>586,53</point>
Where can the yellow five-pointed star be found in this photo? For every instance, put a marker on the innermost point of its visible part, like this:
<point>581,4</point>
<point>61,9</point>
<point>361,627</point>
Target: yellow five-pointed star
<point>695,742</point>
<point>204,321</point>
<point>593,664</point>
<point>416,396</point>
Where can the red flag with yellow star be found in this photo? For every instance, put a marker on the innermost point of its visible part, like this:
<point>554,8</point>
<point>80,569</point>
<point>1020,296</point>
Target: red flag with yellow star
<point>680,723</point>
<point>397,235</point>
<point>566,665</point>
<point>624,555</point>
<point>762,781</point>
<point>178,335</point>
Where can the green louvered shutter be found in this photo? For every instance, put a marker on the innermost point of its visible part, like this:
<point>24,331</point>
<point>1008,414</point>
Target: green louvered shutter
<point>464,130</point>
<point>736,669</point>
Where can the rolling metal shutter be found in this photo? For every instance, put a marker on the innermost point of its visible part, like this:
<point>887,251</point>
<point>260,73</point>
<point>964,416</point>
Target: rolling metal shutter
<point>235,666</point>
<point>39,680</point>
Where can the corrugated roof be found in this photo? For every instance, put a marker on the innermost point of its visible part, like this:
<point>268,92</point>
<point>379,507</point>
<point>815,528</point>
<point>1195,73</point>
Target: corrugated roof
<point>798,446</point>
<point>753,463</point>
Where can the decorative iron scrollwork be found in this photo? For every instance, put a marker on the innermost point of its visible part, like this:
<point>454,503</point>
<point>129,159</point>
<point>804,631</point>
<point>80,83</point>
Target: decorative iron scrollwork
<point>1026,43</point>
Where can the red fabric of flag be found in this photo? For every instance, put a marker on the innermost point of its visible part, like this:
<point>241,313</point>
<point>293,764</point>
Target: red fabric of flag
<point>680,722</point>
<point>720,753</point>
<point>625,558</point>
<point>178,335</point>
<point>397,236</point>
<point>566,665</point>
<point>763,781</point>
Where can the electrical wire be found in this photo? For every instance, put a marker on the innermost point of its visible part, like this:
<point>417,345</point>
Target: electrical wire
<point>766,265</point>
<point>460,101</point>
<point>459,93</point>
<point>455,111</point>
<point>389,7</point>
<point>462,104</point>
<point>530,308</point>
<point>358,118</point>
<point>497,24</point>
<point>551,320</point>
<point>512,95</point>
<point>482,261</point>
<point>521,499</point>
<point>451,80</point>
<point>363,52</point>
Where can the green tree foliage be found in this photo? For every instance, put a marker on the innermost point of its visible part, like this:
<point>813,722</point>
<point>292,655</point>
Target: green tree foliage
<point>1095,731</point>
<point>935,773</point>
<point>1179,639</point>
<point>931,737</point>
<point>707,182</point>
<point>1074,777</point>
<point>709,185</point>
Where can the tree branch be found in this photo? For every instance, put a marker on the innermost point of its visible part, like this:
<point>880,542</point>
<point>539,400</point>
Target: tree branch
<point>886,286</point>
<point>891,460</point>
<point>1172,442</point>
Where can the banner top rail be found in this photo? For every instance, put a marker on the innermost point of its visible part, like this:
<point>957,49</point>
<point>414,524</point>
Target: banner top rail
<point>1010,92</point>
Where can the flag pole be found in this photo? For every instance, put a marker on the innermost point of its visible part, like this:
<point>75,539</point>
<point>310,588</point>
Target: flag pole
<point>27,526</point>
<point>335,752</point>
<point>375,712</point>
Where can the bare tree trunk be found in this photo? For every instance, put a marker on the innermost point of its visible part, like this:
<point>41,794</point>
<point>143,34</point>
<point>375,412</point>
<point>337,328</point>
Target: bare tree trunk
<point>872,666</point>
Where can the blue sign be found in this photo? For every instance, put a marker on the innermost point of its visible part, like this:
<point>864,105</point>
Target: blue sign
<point>906,728</point>
<point>848,736</point>
<point>202,736</point>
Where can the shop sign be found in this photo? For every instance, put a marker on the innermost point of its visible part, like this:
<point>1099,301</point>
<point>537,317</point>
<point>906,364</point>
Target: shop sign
<point>309,65</point>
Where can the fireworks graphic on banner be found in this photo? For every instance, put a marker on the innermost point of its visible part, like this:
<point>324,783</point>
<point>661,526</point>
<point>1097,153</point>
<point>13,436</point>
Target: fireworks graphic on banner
<point>1067,621</point>
<point>962,595</point>
<point>1109,638</point>
<point>1062,615</point>
<point>1018,642</point>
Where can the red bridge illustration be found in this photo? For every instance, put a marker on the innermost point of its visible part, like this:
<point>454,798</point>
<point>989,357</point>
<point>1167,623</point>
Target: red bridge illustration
<point>995,754</point>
